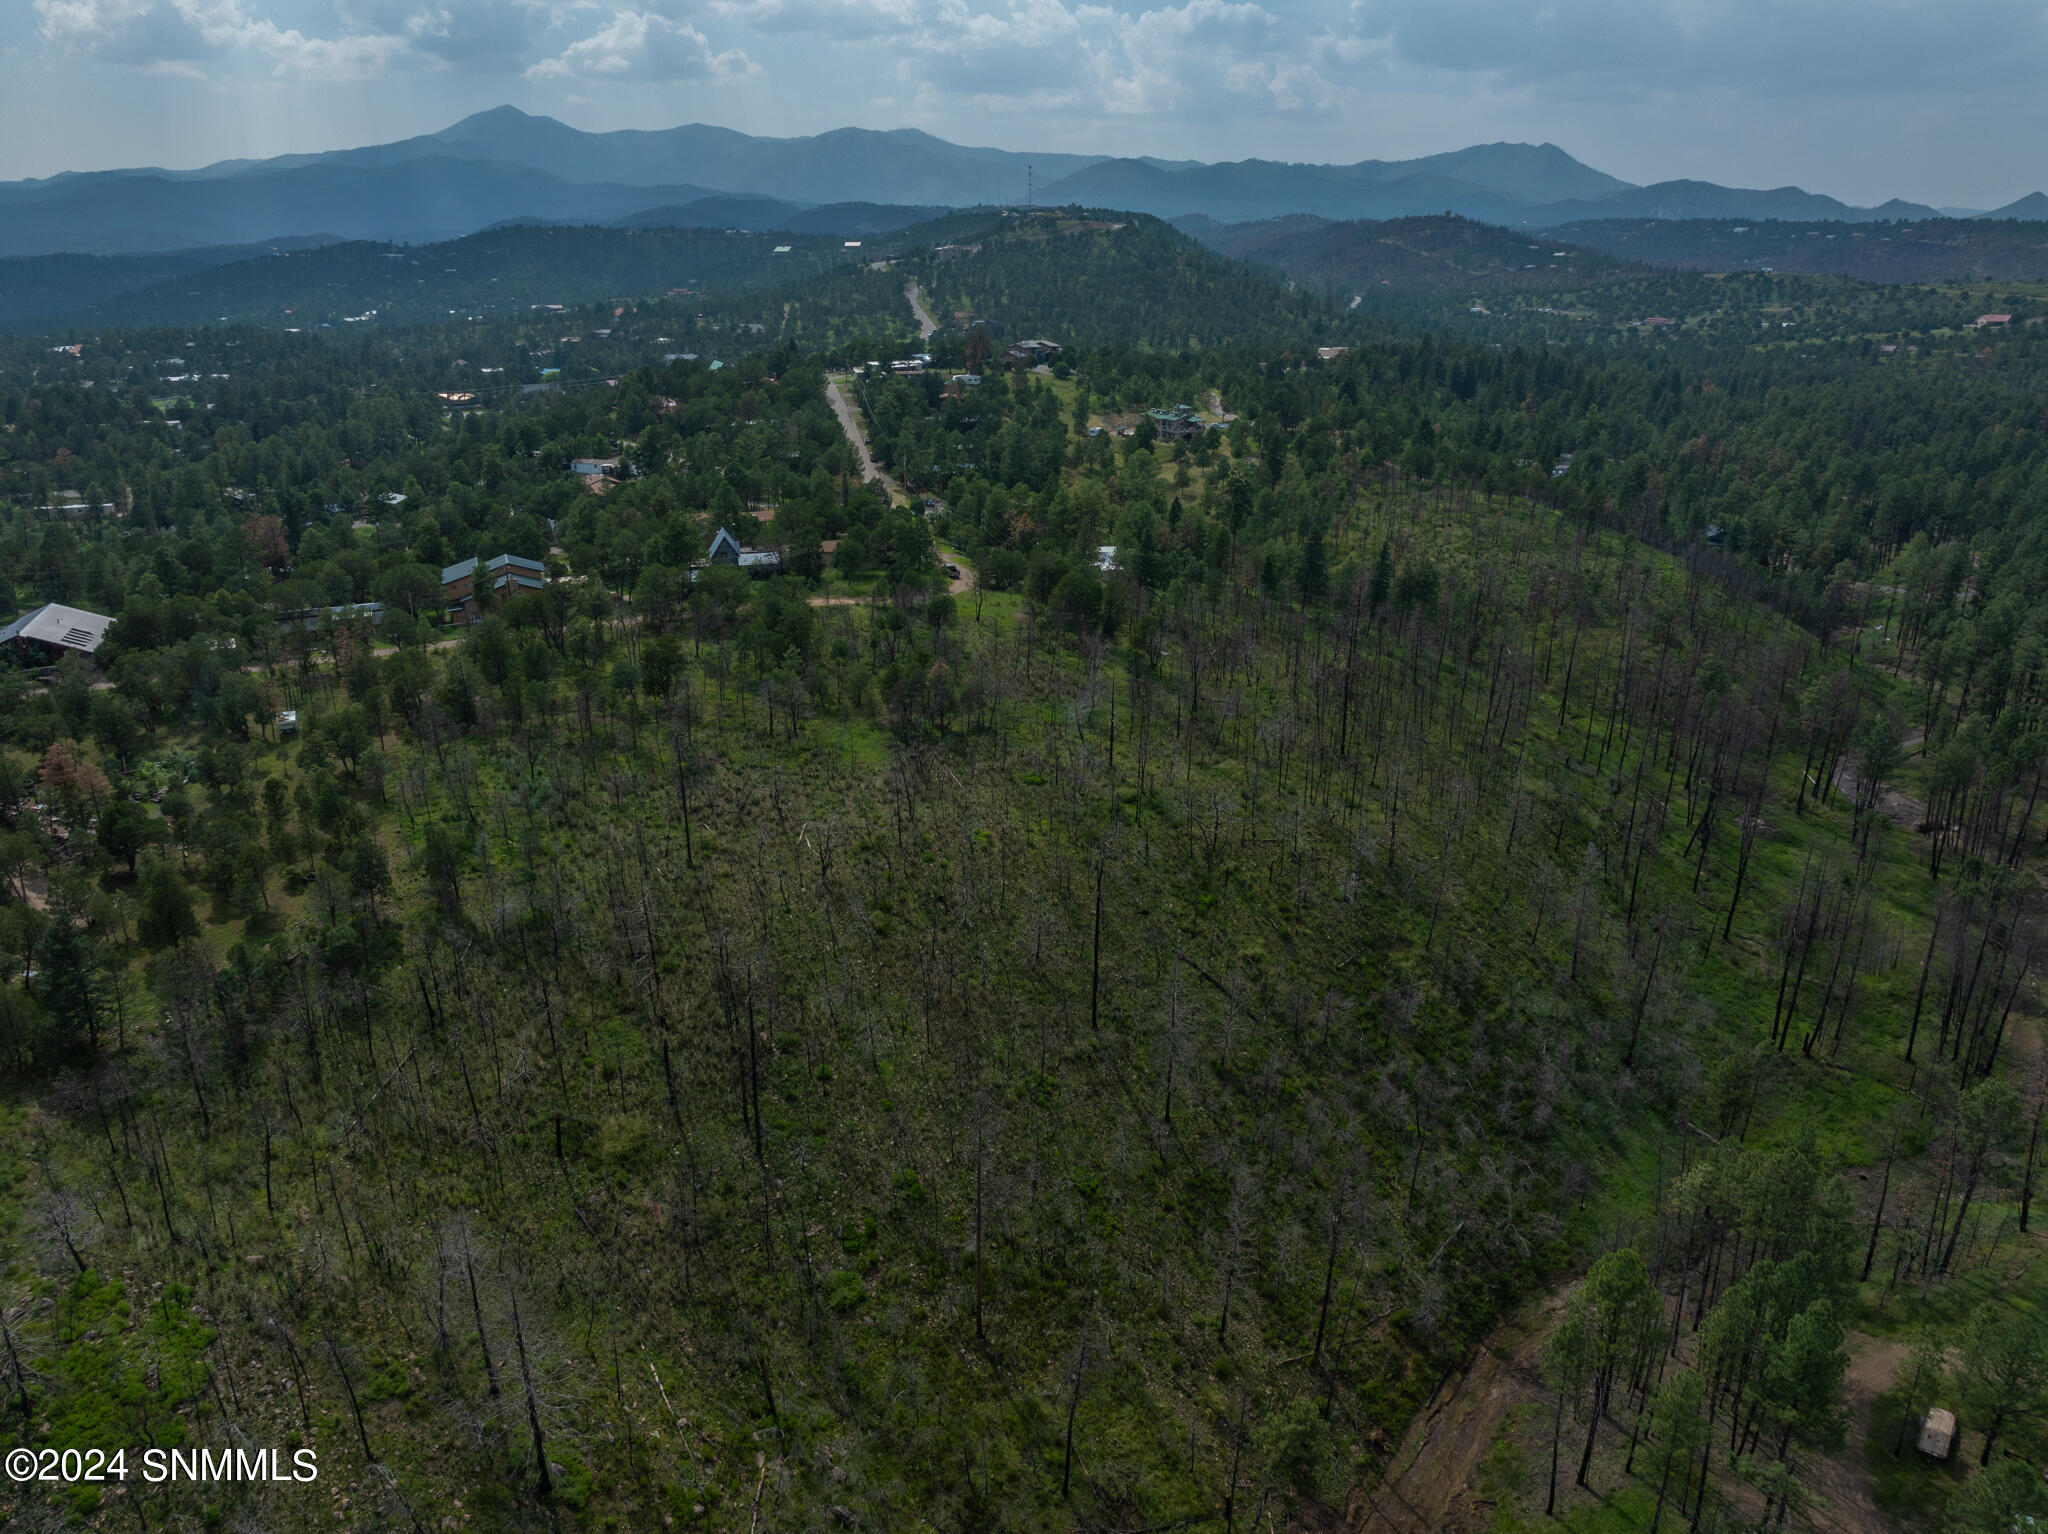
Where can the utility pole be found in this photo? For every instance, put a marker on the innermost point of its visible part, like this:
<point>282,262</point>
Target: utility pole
<point>1030,185</point>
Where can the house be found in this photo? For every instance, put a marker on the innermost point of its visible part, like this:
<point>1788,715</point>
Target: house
<point>1331,353</point>
<point>1937,1433</point>
<point>589,466</point>
<point>392,498</point>
<point>509,575</point>
<point>1177,424</point>
<point>726,550</point>
<point>52,631</point>
<point>1985,321</point>
<point>1026,354</point>
<point>311,617</point>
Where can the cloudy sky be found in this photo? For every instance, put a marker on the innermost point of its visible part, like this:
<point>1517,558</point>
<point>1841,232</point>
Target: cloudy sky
<point>1936,100</point>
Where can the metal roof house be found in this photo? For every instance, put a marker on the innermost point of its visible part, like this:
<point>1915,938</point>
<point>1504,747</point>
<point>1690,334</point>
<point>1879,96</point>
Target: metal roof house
<point>1176,424</point>
<point>312,617</point>
<point>53,631</point>
<point>1030,353</point>
<point>507,574</point>
<point>726,550</point>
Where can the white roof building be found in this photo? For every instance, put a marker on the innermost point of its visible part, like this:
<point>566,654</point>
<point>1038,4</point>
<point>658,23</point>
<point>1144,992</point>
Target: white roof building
<point>57,627</point>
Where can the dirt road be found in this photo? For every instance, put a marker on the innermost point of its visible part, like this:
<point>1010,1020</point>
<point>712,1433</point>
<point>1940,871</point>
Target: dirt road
<point>925,323</point>
<point>1428,1488</point>
<point>849,422</point>
<point>1844,1504</point>
<point>957,584</point>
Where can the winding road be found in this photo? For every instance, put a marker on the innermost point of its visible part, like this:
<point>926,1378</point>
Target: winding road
<point>926,325</point>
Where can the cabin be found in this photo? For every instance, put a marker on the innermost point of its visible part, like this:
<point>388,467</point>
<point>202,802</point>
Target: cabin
<point>53,631</point>
<point>759,563</point>
<point>508,575</point>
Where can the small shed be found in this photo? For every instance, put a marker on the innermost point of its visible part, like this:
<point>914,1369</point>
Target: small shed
<point>1937,1433</point>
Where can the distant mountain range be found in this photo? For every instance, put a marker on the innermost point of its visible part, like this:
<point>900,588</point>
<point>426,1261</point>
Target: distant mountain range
<point>505,166</point>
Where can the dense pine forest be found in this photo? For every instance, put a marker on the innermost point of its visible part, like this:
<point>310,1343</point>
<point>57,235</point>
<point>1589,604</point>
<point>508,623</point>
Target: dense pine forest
<point>1455,946</point>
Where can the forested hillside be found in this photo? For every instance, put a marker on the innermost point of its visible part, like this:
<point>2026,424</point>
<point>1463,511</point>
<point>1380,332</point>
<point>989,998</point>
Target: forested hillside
<point>1927,250</point>
<point>499,271</point>
<point>1101,1039</point>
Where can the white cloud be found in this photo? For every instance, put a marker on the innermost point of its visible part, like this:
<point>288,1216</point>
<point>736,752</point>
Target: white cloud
<point>644,46</point>
<point>1760,47</point>
<point>466,34</point>
<point>177,36</point>
<point>1085,60</point>
<point>845,20</point>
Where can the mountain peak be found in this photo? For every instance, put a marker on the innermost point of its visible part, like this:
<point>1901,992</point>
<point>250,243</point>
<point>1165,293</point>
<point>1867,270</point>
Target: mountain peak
<point>2032,206</point>
<point>499,119</point>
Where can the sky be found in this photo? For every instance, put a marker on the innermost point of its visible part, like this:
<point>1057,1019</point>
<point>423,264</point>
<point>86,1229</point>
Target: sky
<point>1937,101</point>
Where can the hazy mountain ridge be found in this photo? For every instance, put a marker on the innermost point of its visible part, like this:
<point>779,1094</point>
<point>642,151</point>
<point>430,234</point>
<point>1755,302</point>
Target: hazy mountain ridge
<point>770,214</point>
<point>505,165</point>
<point>420,200</point>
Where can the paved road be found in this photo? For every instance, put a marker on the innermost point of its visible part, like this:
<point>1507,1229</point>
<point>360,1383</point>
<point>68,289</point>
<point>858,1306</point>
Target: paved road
<point>925,323</point>
<point>849,422</point>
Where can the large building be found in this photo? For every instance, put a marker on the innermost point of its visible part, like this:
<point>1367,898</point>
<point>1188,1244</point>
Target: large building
<point>508,575</point>
<point>1028,354</point>
<point>1176,424</point>
<point>54,631</point>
